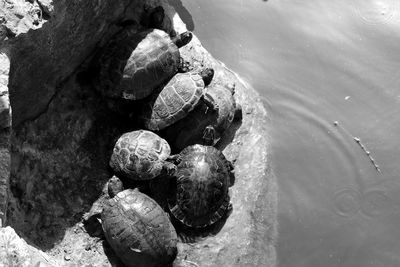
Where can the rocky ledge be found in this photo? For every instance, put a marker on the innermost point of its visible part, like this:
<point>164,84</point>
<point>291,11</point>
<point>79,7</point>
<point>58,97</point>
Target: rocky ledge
<point>63,133</point>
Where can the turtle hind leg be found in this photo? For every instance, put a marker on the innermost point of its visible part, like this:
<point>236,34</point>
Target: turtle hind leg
<point>210,102</point>
<point>209,136</point>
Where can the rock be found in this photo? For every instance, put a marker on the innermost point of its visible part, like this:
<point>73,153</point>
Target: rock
<point>63,133</point>
<point>48,40</point>
<point>5,109</point>
<point>14,251</point>
<point>5,123</point>
<point>249,234</point>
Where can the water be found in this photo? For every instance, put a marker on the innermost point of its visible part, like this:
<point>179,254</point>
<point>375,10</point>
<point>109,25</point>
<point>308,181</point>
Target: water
<point>317,63</point>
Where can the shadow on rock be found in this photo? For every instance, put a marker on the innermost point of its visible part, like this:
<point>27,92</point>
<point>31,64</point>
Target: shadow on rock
<point>183,13</point>
<point>60,164</point>
<point>192,235</point>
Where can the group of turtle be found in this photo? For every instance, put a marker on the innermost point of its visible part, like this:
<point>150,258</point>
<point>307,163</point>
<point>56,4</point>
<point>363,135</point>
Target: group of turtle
<point>180,104</point>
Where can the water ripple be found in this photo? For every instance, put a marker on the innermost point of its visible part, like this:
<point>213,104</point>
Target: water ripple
<point>377,12</point>
<point>377,203</point>
<point>347,202</point>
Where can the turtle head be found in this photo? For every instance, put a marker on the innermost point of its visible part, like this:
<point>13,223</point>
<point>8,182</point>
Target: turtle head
<point>114,186</point>
<point>207,75</point>
<point>183,39</point>
<point>209,135</point>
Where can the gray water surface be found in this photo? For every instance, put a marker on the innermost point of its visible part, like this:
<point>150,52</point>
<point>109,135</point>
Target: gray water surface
<point>329,73</point>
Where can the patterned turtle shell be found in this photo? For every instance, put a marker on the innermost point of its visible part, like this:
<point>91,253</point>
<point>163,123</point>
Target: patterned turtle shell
<point>179,96</point>
<point>141,155</point>
<point>135,63</point>
<point>202,188</point>
<point>138,230</point>
<point>200,122</point>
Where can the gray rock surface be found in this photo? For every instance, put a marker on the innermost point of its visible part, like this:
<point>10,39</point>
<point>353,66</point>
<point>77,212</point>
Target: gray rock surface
<point>63,133</point>
<point>249,234</point>
<point>5,123</point>
<point>57,36</point>
<point>14,251</point>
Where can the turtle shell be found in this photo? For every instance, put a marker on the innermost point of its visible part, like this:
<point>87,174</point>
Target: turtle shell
<point>139,155</point>
<point>179,96</point>
<point>202,188</point>
<point>189,130</point>
<point>135,63</point>
<point>138,230</point>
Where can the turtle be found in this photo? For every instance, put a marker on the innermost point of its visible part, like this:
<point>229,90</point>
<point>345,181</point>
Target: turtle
<point>138,229</point>
<point>202,127</point>
<point>141,155</point>
<point>178,97</point>
<point>134,63</point>
<point>91,219</point>
<point>202,186</point>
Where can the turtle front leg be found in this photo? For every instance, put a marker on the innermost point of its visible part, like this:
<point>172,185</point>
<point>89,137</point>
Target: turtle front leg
<point>232,177</point>
<point>209,135</point>
<point>169,168</point>
<point>174,159</point>
<point>231,87</point>
<point>184,66</point>
<point>238,112</point>
<point>210,102</point>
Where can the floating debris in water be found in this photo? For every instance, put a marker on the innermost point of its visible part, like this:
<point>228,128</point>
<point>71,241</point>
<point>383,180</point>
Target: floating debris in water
<point>358,141</point>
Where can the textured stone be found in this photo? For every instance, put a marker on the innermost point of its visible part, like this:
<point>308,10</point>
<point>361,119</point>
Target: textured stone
<point>63,133</point>
<point>14,251</point>
<point>48,41</point>
<point>5,123</point>
<point>5,109</point>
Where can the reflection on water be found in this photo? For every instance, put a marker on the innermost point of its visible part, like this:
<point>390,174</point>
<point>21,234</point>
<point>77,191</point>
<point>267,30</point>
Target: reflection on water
<point>330,75</point>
